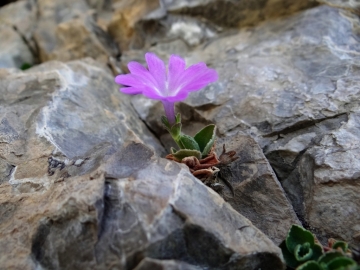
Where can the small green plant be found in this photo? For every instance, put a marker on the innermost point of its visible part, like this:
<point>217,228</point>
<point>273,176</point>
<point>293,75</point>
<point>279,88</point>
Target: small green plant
<point>332,260</point>
<point>299,247</point>
<point>198,146</point>
<point>25,66</point>
<point>300,251</point>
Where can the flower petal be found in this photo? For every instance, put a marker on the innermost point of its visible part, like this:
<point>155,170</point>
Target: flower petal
<point>140,71</point>
<point>157,70</point>
<point>129,80</point>
<point>176,69</point>
<point>131,90</point>
<point>142,75</point>
<point>151,94</point>
<point>195,78</point>
<point>179,97</point>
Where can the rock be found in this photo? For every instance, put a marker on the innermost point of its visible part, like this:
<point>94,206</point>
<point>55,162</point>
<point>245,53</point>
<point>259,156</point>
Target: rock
<point>230,13</point>
<point>125,18</point>
<point>164,265</point>
<point>290,84</point>
<point>324,183</point>
<point>138,24</point>
<point>291,93</point>
<point>107,221</point>
<point>351,5</point>
<point>60,119</point>
<point>14,51</point>
<point>5,170</point>
<point>258,194</point>
<point>66,31</point>
<point>21,15</point>
<point>16,27</point>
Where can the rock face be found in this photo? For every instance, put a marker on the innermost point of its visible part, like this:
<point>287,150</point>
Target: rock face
<point>16,25</point>
<point>258,194</point>
<point>73,200</point>
<point>236,13</point>
<point>352,5</point>
<point>295,91</point>
<point>66,30</point>
<point>82,181</point>
<point>50,114</point>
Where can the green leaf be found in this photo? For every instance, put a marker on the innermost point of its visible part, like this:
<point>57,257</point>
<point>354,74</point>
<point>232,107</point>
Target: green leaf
<point>178,118</point>
<point>341,263</point>
<point>303,252</point>
<point>188,142</point>
<point>173,150</point>
<point>25,66</point>
<point>329,256</point>
<point>298,236</point>
<point>175,131</point>
<point>310,265</point>
<point>341,244</point>
<point>317,251</point>
<point>206,138</point>
<point>165,122</point>
<point>289,258</point>
<point>183,153</point>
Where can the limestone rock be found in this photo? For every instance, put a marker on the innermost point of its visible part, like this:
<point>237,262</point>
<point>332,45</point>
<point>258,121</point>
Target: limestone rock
<point>14,52</point>
<point>147,211</point>
<point>238,13</point>
<point>164,265</point>
<point>66,30</point>
<point>291,93</point>
<point>17,22</point>
<point>290,84</point>
<point>123,25</point>
<point>352,5</point>
<point>49,118</point>
<point>21,15</point>
<point>5,170</point>
<point>258,193</point>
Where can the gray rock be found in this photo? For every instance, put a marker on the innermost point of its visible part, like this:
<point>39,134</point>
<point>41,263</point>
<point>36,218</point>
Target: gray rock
<point>290,84</point>
<point>324,183</point>
<point>95,221</point>
<point>14,51</point>
<point>5,170</point>
<point>66,30</point>
<point>17,22</point>
<point>291,88</point>
<point>57,114</point>
<point>230,13</point>
<point>352,5</point>
<point>164,265</point>
<point>258,194</point>
<point>20,15</point>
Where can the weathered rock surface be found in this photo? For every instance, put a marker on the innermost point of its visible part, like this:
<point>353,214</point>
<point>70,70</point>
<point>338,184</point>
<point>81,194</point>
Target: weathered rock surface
<point>16,27</point>
<point>49,118</point>
<point>71,199</point>
<point>352,5</point>
<point>145,208</point>
<point>236,13</point>
<point>66,30</point>
<point>293,92</point>
<point>258,194</point>
<point>14,52</point>
<point>291,84</point>
<point>80,185</point>
<point>17,21</point>
<point>136,24</point>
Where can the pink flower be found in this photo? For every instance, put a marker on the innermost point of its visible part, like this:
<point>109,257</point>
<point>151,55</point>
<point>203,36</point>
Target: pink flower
<point>168,86</point>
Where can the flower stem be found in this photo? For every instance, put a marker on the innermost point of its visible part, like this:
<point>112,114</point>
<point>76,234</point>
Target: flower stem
<point>169,108</point>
